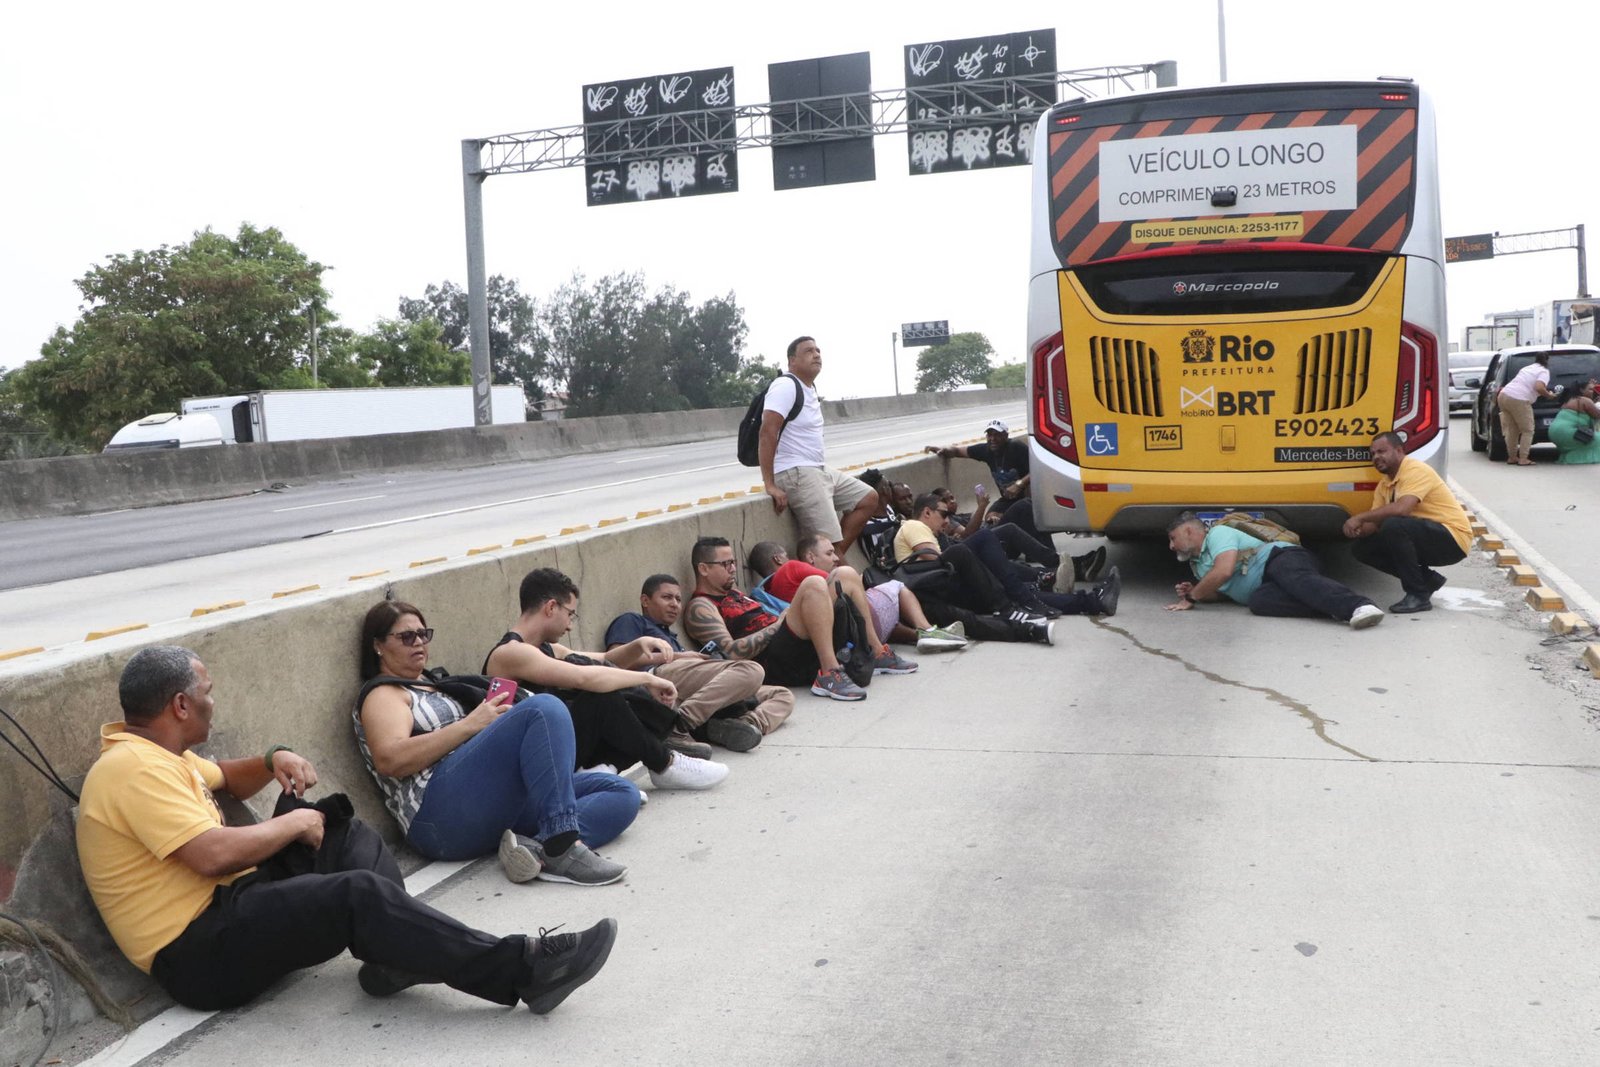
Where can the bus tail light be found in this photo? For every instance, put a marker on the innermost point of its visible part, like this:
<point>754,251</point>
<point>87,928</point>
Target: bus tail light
<point>1417,388</point>
<point>1052,408</point>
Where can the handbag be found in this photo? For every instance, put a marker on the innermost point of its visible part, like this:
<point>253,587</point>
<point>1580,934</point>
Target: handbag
<point>1583,434</point>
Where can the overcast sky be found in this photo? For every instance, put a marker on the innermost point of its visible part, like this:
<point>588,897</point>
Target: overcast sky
<point>132,125</point>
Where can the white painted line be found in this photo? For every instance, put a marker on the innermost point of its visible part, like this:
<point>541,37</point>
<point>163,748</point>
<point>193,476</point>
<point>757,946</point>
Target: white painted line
<point>636,459</point>
<point>164,1029</point>
<point>330,503</point>
<point>1575,594</point>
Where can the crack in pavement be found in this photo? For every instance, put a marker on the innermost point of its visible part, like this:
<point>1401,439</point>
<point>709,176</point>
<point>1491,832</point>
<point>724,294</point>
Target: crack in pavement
<point>1318,724</point>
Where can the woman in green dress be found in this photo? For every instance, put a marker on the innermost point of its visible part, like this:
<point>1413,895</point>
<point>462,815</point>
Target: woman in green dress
<point>1577,414</point>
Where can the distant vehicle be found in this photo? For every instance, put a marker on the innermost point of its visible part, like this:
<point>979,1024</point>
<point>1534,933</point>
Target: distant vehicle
<point>1465,366</point>
<point>1570,367</point>
<point>167,429</point>
<point>1583,325</point>
<point>309,414</point>
<point>1233,291</point>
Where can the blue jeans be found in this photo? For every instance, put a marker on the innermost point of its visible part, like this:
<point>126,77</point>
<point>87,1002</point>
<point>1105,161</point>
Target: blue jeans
<point>518,773</point>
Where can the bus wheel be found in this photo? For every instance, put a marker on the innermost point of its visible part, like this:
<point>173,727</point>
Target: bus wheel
<point>1497,444</point>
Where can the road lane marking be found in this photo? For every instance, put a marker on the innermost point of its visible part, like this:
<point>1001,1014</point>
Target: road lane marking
<point>330,503</point>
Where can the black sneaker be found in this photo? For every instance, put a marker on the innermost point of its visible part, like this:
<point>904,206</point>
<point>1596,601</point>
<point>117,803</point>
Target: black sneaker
<point>1042,630</point>
<point>1410,604</point>
<point>735,735</point>
<point>1107,593</point>
<point>560,963</point>
<point>1087,567</point>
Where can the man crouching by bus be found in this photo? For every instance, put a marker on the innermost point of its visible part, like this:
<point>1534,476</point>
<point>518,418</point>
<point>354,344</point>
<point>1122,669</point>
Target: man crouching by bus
<point>1273,578</point>
<point>1415,524</point>
<point>217,913</point>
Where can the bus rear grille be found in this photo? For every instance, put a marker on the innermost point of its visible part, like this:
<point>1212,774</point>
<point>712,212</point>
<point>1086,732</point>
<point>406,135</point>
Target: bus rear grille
<point>1333,370</point>
<point>1127,375</point>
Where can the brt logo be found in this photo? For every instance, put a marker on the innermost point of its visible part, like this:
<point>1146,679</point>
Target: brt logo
<point>1214,401</point>
<point>1201,347</point>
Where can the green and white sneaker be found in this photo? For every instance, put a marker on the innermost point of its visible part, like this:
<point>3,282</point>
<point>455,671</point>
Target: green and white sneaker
<point>935,639</point>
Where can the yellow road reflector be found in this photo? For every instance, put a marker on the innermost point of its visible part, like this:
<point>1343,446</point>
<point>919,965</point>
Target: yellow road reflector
<point>1491,544</point>
<point>613,522</point>
<point>429,561</point>
<point>15,652</point>
<point>711,500</point>
<point>211,608</point>
<point>648,513</point>
<point>481,551</point>
<point>1543,598</point>
<point>1522,574</point>
<point>369,574</point>
<point>732,495</point>
<point>296,589</point>
<point>679,507</point>
<point>95,635</point>
<point>574,529</point>
<point>529,540</point>
<point>1567,622</point>
<point>758,489</point>
<point>1505,557</point>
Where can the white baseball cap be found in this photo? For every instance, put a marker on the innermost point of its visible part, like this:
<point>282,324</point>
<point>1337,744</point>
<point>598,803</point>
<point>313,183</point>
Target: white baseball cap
<point>997,426</point>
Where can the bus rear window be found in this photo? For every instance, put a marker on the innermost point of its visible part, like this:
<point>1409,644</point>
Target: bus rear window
<point>1252,283</point>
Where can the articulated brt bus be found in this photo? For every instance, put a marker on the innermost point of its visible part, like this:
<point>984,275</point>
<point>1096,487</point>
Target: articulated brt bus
<point>1233,290</point>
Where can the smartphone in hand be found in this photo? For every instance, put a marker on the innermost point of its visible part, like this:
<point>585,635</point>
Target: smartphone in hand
<point>502,685</point>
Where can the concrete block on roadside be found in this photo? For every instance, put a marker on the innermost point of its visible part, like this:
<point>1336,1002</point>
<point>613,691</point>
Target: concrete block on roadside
<point>679,507</point>
<point>210,609</point>
<point>482,550</point>
<point>648,513</point>
<point>429,561</point>
<point>1591,659</point>
<point>297,589</point>
<point>613,522</point>
<point>369,574</point>
<point>1567,622</point>
<point>1522,574</point>
<point>1543,598</point>
<point>529,540</point>
<point>1490,544</point>
<point>1506,558</point>
<point>14,653</point>
<point>711,500</point>
<point>565,530</point>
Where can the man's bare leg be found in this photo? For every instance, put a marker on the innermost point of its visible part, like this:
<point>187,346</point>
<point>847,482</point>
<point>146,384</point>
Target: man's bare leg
<point>810,616</point>
<point>850,526</point>
<point>911,610</point>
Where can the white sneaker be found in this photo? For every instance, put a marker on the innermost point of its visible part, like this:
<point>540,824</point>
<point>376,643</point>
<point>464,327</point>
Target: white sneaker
<point>934,639</point>
<point>1366,616</point>
<point>686,772</point>
<point>602,768</point>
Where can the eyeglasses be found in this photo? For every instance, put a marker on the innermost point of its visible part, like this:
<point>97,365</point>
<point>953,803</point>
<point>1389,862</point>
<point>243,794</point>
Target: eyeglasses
<point>411,638</point>
<point>730,564</point>
<point>572,613</point>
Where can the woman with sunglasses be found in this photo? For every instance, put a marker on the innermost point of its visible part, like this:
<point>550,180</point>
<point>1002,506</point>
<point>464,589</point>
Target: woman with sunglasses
<point>460,782</point>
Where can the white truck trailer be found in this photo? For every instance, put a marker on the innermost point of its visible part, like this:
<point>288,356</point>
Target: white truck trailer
<point>304,414</point>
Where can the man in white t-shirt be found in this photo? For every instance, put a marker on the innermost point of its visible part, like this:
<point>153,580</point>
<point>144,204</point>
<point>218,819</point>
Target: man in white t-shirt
<point>792,470</point>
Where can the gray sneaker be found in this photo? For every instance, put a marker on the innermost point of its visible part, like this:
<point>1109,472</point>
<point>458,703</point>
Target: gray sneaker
<point>578,865</point>
<point>519,857</point>
<point>837,684</point>
<point>735,735</point>
<point>889,661</point>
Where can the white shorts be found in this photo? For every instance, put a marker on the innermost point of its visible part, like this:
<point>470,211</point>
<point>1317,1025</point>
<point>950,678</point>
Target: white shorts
<point>818,496</point>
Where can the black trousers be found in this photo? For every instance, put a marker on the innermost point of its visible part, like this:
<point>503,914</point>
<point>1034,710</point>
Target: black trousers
<point>977,588</point>
<point>270,923</point>
<point>607,729</point>
<point>980,627</point>
<point>1293,587</point>
<point>1406,547</point>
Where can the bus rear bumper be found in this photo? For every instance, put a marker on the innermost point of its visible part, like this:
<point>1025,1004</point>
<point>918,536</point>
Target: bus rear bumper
<point>1129,503</point>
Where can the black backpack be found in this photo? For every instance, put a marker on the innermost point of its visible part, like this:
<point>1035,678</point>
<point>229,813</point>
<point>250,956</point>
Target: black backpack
<point>750,425</point>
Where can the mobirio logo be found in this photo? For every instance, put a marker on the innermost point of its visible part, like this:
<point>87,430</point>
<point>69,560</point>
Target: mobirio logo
<point>1214,401</point>
<point>1181,288</point>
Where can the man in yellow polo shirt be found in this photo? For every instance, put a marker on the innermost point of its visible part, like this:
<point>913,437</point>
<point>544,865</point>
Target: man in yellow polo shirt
<point>1415,524</point>
<point>214,913</point>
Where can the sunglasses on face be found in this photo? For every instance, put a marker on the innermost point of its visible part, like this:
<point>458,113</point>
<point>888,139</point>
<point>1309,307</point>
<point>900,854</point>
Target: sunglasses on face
<point>411,638</point>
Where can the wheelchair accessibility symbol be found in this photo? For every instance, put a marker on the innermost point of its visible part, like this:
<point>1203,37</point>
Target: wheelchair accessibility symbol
<point>1101,439</point>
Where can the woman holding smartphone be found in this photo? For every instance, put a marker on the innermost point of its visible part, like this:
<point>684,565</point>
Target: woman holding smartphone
<point>461,782</point>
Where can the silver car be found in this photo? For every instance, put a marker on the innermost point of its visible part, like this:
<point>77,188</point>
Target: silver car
<point>1464,367</point>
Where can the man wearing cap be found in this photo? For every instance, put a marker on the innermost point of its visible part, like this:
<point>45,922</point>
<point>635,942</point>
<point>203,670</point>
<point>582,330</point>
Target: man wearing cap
<point>1008,465</point>
<point>792,470</point>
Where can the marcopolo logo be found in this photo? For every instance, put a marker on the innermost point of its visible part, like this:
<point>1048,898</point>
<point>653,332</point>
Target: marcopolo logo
<point>1183,288</point>
<point>1214,401</point>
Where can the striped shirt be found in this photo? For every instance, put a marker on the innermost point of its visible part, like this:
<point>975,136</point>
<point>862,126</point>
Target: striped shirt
<point>430,711</point>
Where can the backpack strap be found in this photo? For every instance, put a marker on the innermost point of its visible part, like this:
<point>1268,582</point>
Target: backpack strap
<point>799,398</point>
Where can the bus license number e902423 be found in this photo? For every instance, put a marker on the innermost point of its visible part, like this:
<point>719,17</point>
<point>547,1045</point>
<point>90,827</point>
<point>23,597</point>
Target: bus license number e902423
<point>1325,427</point>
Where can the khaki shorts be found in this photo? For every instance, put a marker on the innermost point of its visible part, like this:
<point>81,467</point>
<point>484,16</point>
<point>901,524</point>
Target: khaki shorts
<point>818,496</point>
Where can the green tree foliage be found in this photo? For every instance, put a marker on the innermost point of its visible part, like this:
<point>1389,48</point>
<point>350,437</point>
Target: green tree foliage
<point>22,434</point>
<point>514,349</point>
<point>217,315</point>
<point>1008,376</point>
<point>964,359</point>
<point>615,348</point>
